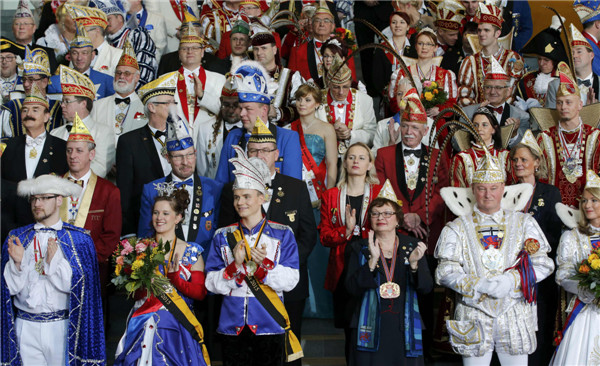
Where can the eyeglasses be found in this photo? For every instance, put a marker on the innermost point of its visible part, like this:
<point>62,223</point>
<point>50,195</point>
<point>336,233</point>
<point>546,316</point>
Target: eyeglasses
<point>23,25</point>
<point>325,21</point>
<point>124,73</point>
<point>7,58</point>
<point>180,158</point>
<point>495,87</point>
<point>191,49</point>
<point>386,214</point>
<point>43,199</point>
<point>67,102</point>
<point>165,103</point>
<point>29,79</point>
<point>423,44</point>
<point>260,151</point>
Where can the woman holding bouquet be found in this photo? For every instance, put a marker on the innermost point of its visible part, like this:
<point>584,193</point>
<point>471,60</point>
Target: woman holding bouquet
<point>580,344</point>
<point>154,335</point>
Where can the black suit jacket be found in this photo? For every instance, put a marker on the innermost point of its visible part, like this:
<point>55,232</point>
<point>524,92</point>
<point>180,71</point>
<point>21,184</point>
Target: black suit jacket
<point>138,163</point>
<point>453,57</point>
<point>290,205</point>
<point>170,62</point>
<point>53,159</point>
<point>543,202</point>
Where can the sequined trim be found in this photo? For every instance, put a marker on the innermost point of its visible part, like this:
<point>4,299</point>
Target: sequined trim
<point>43,317</point>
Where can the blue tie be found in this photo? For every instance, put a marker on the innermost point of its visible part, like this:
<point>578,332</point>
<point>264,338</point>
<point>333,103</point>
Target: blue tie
<point>188,182</point>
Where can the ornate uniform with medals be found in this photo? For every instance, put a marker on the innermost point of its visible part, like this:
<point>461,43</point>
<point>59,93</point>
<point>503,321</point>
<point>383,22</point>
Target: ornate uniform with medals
<point>478,252</point>
<point>570,154</point>
<point>474,68</point>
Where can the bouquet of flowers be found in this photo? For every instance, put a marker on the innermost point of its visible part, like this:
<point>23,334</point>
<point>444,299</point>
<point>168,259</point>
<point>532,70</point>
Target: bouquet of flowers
<point>588,274</point>
<point>137,262</point>
<point>346,36</point>
<point>432,95</point>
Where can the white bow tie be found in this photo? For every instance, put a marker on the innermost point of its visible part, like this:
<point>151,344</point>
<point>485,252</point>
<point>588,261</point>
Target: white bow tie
<point>30,141</point>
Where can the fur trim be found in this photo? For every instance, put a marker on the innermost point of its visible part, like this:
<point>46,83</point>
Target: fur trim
<point>48,184</point>
<point>461,200</point>
<point>569,216</point>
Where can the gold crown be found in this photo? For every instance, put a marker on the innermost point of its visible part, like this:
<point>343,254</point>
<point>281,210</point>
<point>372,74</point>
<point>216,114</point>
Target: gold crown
<point>388,193</point>
<point>76,83</point>
<point>592,180</point>
<point>261,134</point>
<point>128,57</point>
<point>164,85</point>
<point>489,171</point>
<point>79,131</point>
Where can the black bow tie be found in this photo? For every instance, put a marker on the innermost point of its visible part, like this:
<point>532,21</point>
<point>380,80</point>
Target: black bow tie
<point>122,100</point>
<point>159,133</point>
<point>416,153</point>
<point>584,82</point>
<point>68,127</point>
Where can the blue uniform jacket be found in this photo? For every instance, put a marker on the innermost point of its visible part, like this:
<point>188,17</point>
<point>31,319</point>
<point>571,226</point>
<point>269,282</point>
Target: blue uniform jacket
<point>204,215</point>
<point>240,307</point>
<point>103,81</point>
<point>290,154</point>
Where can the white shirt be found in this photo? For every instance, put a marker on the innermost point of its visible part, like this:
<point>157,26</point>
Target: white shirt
<point>166,167</point>
<point>189,82</point>
<point>412,168</point>
<point>33,151</point>
<point>185,224</point>
<point>72,210</point>
<point>339,108</point>
<point>40,293</point>
<point>121,108</point>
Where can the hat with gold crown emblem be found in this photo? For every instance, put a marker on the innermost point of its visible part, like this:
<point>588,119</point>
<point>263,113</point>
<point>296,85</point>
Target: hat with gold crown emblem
<point>490,14</point>
<point>128,57</point>
<point>592,180</point>
<point>339,72</point>
<point>164,85</point>
<point>388,193</point>
<point>75,83</point>
<point>36,62</point>
<point>250,173</point>
<point>88,17</point>
<point>81,38</point>
<point>36,96</point>
<point>449,15</point>
<point>496,71</point>
<point>577,39</point>
<point>489,171</point>
<point>567,85</point>
<point>79,131</point>
<point>23,10</point>
<point>261,133</point>
<point>414,110</point>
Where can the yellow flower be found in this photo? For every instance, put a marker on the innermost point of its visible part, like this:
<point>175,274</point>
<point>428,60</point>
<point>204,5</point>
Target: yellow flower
<point>137,265</point>
<point>434,85</point>
<point>118,269</point>
<point>592,257</point>
<point>428,96</point>
<point>595,264</point>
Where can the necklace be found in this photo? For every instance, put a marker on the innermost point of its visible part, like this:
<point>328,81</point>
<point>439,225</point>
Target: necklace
<point>390,289</point>
<point>571,162</point>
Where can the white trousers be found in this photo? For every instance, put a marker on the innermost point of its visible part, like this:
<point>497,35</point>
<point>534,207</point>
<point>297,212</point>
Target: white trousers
<point>505,360</point>
<point>42,344</point>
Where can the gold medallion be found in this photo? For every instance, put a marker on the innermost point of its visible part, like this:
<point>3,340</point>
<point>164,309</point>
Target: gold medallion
<point>33,153</point>
<point>342,148</point>
<point>389,290</point>
<point>411,161</point>
<point>251,268</point>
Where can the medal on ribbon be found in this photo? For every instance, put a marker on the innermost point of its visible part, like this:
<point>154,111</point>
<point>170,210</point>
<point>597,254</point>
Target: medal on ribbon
<point>390,289</point>
<point>251,265</point>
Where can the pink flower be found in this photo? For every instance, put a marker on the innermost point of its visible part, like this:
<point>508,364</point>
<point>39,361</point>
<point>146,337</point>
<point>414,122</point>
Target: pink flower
<point>120,260</point>
<point>154,244</point>
<point>140,247</point>
<point>127,248</point>
<point>427,84</point>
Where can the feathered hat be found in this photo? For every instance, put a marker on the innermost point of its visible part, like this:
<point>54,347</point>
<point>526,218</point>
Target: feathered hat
<point>250,173</point>
<point>48,184</point>
<point>547,43</point>
<point>250,80</point>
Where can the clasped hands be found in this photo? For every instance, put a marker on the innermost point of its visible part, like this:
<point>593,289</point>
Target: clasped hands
<point>16,250</point>
<point>498,286</point>
<point>258,254</point>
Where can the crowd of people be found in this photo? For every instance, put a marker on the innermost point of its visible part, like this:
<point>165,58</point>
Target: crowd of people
<point>462,155</point>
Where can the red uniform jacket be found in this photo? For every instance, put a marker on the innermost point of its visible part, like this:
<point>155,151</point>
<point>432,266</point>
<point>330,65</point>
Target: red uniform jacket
<point>333,231</point>
<point>413,201</point>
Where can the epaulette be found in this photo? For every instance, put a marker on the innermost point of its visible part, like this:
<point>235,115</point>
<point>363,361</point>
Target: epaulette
<point>278,226</point>
<point>227,229</point>
<point>76,228</point>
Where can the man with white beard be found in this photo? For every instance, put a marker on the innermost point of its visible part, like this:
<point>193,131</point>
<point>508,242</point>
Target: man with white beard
<point>123,111</point>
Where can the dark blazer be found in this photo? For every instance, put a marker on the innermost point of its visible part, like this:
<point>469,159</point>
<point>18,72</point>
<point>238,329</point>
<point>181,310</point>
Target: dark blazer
<point>453,57</point>
<point>138,163</point>
<point>543,202</point>
<point>170,62</point>
<point>290,205</point>
<point>53,159</point>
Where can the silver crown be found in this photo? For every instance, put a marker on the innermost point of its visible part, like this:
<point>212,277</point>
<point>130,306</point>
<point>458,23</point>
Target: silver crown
<point>165,189</point>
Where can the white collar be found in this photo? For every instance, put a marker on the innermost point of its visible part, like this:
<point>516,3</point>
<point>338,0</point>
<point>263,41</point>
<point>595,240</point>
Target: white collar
<point>85,178</point>
<point>404,147</point>
<point>496,216</point>
<point>189,72</point>
<point>10,79</point>
<point>57,226</point>
<point>177,179</point>
<point>590,77</point>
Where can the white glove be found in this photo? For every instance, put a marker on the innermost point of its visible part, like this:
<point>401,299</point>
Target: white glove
<point>586,296</point>
<point>484,286</point>
<point>504,284</point>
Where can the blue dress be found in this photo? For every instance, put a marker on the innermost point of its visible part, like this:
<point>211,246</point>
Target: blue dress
<point>153,336</point>
<point>320,301</point>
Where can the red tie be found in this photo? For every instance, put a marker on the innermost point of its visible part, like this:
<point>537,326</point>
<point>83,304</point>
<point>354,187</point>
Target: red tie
<point>498,110</point>
<point>318,44</point>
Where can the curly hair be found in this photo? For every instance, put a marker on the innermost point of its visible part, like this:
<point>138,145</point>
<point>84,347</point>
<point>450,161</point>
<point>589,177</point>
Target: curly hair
<point>178,200</point>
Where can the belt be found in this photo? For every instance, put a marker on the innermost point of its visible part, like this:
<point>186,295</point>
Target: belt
<point>43,317</point>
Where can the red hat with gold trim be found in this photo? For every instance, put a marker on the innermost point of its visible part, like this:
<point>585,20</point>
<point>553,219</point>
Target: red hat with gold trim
<point>414,110</point>
<point>567,85</point>
<point>577,39</point>
<point>79,131</point>
<point>229,90</point>
<point>128,56</point>
<point>449,15</point>
<point>490,14</point>
<point>76,83</point>
<point>496,71</point>
<point>36,96</point>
